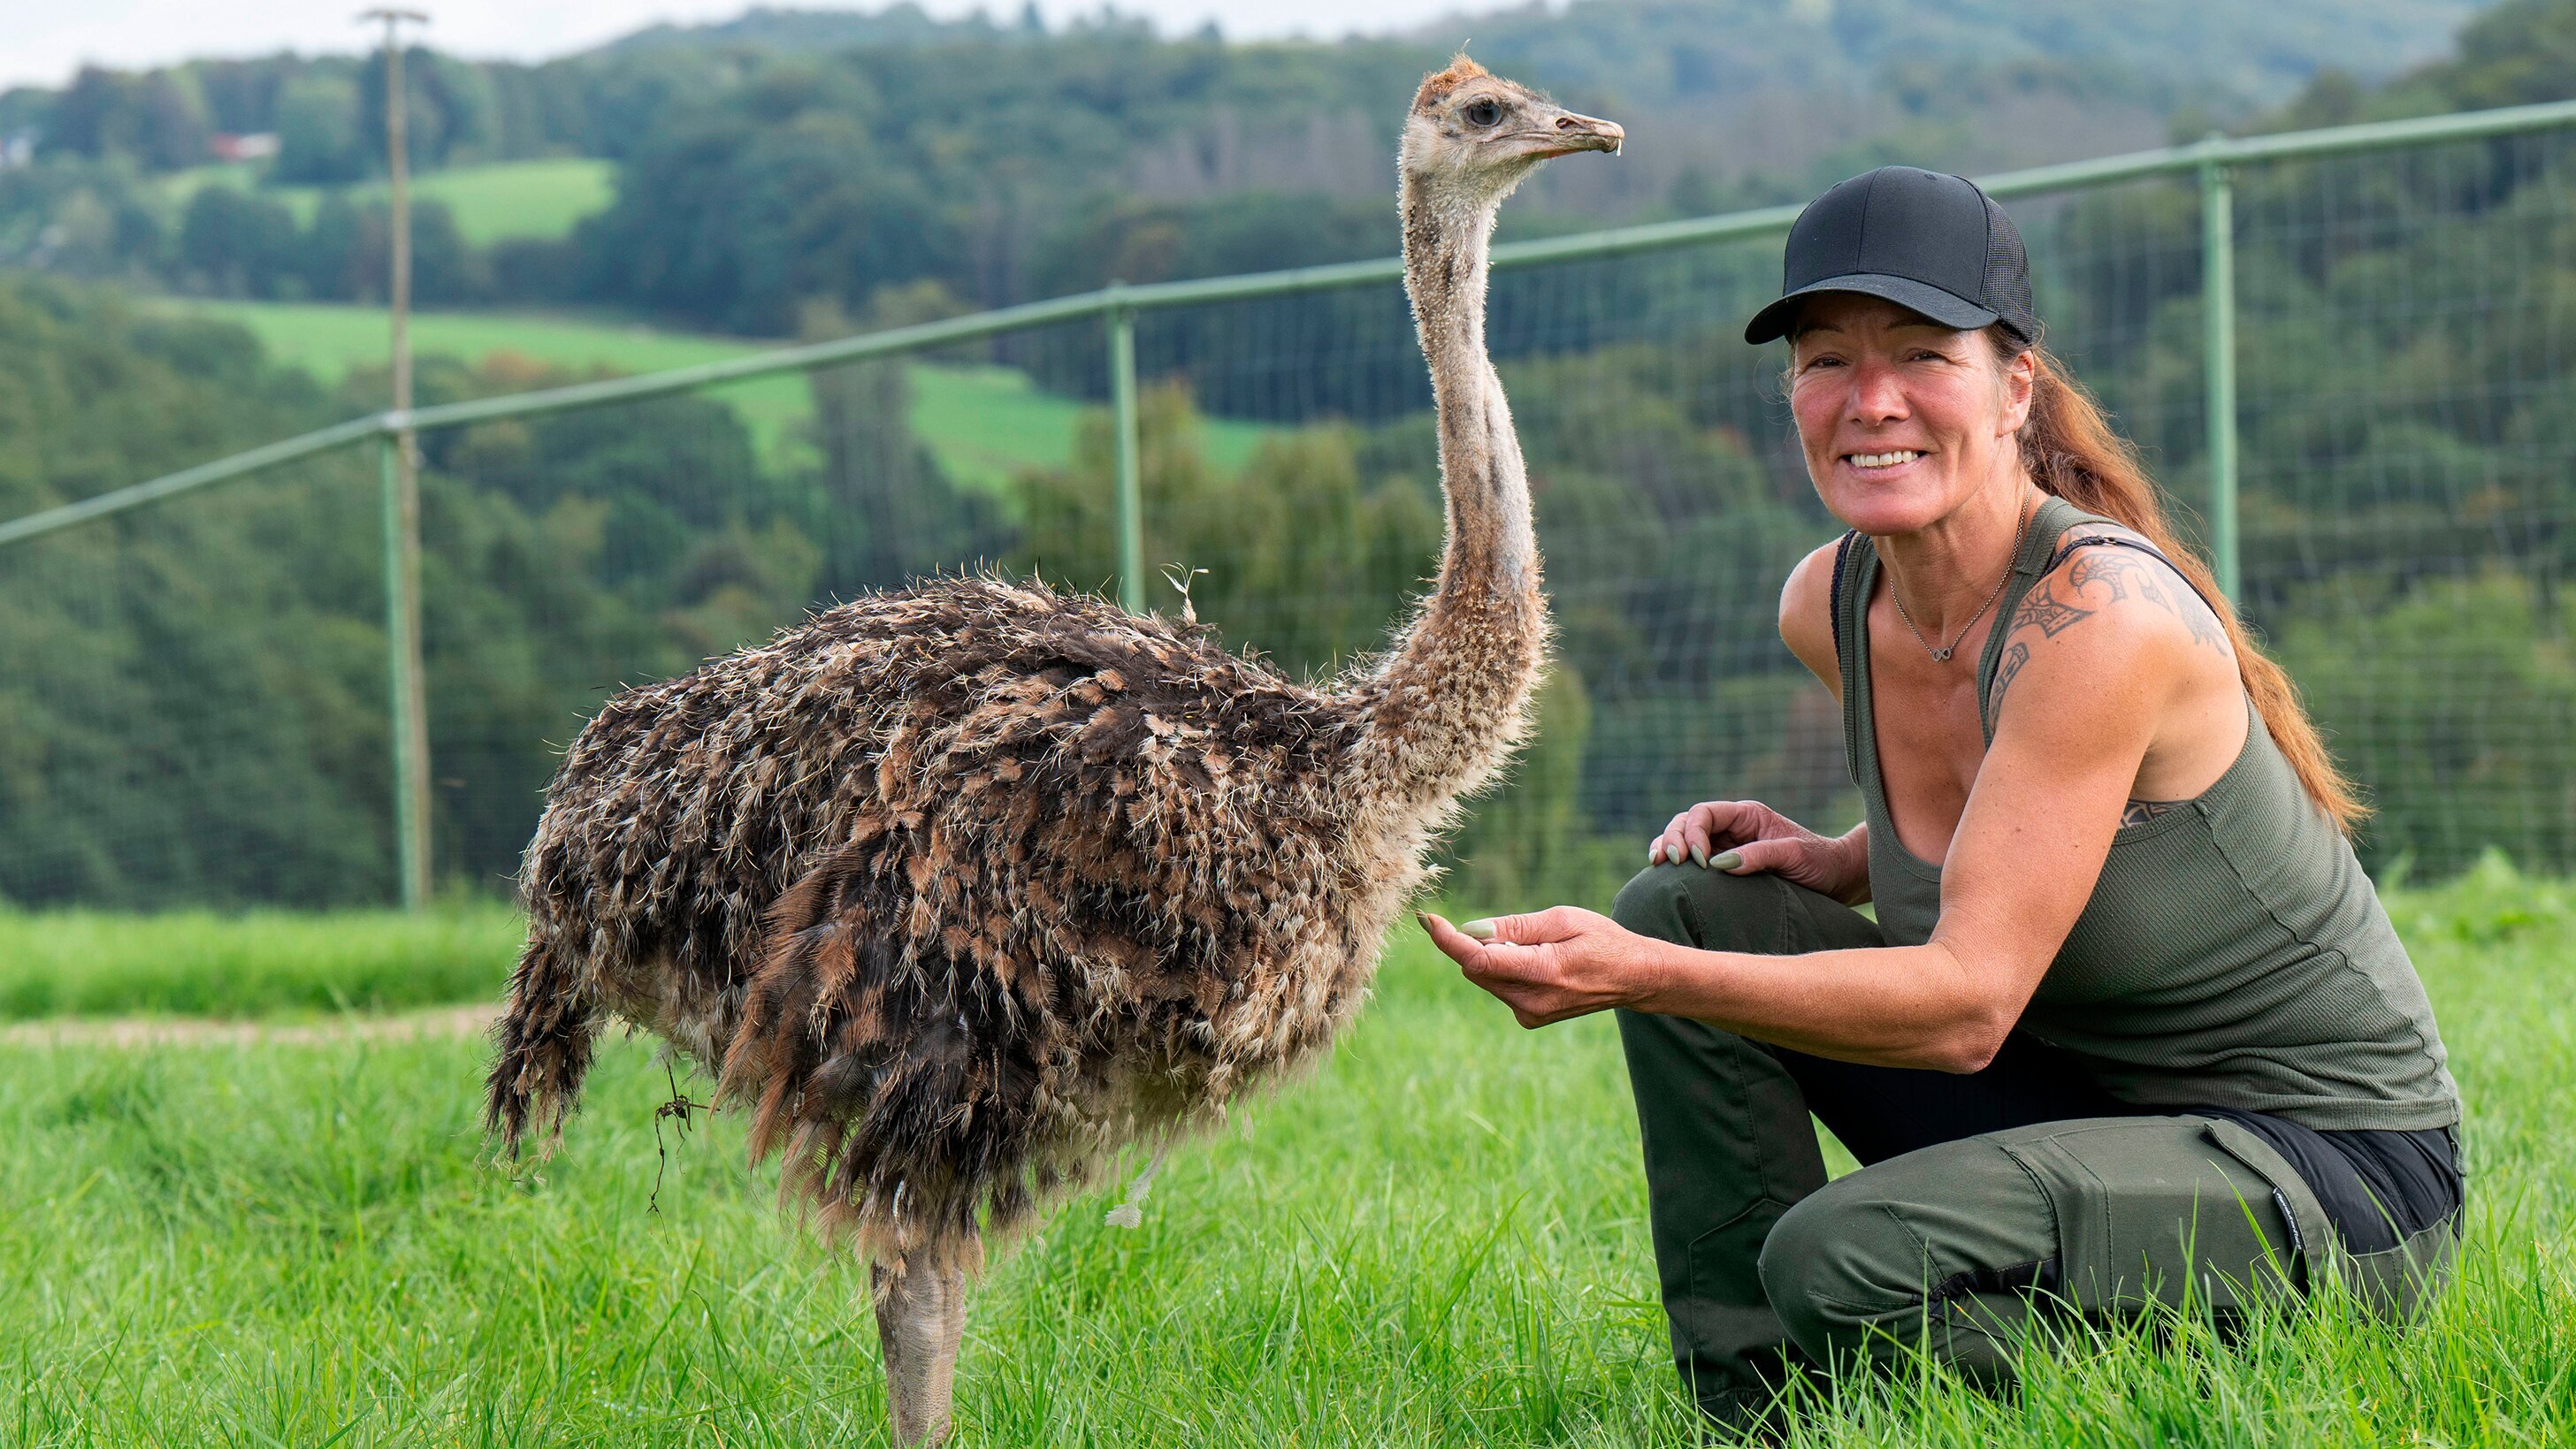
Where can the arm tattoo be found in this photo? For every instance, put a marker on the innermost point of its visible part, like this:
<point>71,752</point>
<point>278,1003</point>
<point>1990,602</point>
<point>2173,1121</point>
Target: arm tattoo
<point>2053,615</point>
<point>2111,569</point>
<point>2014,658</point>
<point>2205,628</point>
<point>2122,571</point>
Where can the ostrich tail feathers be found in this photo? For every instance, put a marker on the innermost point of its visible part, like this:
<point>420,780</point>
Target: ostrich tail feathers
<point>543,1045</point>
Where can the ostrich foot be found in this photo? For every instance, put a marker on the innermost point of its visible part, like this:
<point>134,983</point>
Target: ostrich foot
<point>921,1312</point>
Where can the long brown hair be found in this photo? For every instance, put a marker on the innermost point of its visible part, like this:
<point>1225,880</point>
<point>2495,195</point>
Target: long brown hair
<point>2070,450</point>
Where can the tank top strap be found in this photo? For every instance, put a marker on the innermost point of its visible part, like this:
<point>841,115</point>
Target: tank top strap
<point>1855,568</point>
<point>2048,523</point>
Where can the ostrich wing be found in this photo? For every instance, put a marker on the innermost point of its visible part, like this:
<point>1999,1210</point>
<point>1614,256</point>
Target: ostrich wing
<point>1045,858</point>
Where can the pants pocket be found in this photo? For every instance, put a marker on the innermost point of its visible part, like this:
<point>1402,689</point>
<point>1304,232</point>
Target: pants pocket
<point>2395,1283</point>
<point>2081,1202</point>
<point>2310,1234</point>
<point>2153,1209</point>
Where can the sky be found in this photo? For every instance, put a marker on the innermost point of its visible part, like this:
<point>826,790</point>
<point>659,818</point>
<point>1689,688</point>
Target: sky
<point>48,41</point>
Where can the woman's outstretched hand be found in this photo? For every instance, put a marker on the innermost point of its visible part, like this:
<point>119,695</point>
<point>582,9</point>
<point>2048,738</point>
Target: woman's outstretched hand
<point>1551,965</point>
<point>1744,836</point>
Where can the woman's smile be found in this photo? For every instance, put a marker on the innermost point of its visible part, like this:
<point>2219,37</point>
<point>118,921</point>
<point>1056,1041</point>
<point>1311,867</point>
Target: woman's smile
<point>1886,461</point>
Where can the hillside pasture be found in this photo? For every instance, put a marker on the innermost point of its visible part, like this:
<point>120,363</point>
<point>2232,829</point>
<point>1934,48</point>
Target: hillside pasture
<point>1440,1240</point>
<point>983,423</point>
<point>538,200</point>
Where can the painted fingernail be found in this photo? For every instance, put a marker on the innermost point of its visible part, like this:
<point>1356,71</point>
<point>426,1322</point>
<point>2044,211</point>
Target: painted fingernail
<point>1728,861</point>
<point>1655,853</point>
<point>1482,930</point>
<point>1699,856</point>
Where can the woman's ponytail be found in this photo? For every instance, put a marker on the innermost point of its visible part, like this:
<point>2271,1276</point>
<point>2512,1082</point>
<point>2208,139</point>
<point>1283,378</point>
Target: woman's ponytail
<point>2072,452</point>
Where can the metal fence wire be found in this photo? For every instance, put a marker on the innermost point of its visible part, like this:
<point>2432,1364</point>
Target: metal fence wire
<point>2383,476</point>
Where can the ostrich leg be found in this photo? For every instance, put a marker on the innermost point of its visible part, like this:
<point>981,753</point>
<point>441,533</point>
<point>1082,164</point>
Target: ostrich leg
<point>921,1312</point>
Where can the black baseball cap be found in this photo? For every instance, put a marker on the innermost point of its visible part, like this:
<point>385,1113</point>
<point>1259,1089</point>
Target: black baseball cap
<point>1920,239</point>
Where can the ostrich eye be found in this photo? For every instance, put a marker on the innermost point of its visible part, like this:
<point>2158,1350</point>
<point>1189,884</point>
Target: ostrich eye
<point>1483,113</point>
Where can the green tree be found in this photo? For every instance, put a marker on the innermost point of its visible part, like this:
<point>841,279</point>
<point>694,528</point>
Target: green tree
<point>1301,557</point>
<point>2455,702</point>
<point>319,136</point>
<point>240,245</point>
<point>890,514</point>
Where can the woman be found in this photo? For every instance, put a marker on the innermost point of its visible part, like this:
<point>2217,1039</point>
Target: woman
<point>2130,1017</point>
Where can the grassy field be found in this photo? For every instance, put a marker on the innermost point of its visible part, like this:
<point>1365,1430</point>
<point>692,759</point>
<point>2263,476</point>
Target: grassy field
<point>1439,1241</point>
<point>260,964</point>
<point>503,200</point>
<point>983,423</point>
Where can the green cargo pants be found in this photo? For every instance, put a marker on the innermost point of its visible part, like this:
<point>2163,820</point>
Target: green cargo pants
<point>1765,1265</point>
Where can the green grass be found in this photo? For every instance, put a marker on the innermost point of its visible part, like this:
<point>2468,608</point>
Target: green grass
<point>262,963</point>
<point>1438,1241</point>
<point>498,201</point>
<point>332,339</point>
<point>540,199</point>
<point>983,423</point>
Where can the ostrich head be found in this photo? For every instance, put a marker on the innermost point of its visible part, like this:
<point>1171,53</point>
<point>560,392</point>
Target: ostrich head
<point>1476,135</point>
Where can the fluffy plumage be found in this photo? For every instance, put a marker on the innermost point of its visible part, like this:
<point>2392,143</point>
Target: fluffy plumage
<point>969,885</point>
<point>963,885</point>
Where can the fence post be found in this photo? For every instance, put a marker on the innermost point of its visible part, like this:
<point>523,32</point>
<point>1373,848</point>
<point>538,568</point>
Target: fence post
<point>399,464</point>
<point>1122,406</point>
<point>402,649</point>
<point>2218,345</point>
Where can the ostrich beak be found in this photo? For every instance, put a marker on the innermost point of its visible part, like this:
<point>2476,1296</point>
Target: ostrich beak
<point>1582,133</point>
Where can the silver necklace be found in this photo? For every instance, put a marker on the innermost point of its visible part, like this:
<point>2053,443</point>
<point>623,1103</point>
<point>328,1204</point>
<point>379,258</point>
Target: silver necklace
<point>1942,655</point>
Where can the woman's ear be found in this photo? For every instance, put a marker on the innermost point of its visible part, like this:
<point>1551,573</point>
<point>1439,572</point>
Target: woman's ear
<point>2020,380</point>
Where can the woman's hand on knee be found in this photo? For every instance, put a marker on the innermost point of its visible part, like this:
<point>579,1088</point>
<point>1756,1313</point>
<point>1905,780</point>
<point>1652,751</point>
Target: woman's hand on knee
<point>1742,837</point>
<point>1549,966</point>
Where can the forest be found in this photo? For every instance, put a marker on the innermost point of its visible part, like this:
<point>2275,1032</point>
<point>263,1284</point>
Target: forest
<point>191,697</point>
<point>788,156</point>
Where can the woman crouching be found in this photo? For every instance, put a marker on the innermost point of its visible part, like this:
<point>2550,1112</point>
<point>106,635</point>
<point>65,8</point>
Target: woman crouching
<point>2130,1023</point>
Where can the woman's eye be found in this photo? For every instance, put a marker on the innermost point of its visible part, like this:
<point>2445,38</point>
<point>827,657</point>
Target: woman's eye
<point>1483,113</point>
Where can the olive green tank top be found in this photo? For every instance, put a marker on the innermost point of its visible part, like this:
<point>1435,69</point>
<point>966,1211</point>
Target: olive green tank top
<point>2232,954</point>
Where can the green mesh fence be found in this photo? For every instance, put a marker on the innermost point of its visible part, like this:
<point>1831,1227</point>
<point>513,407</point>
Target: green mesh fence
<point>2410,475</point>
<point>193,700</point>
<point>192,695</point>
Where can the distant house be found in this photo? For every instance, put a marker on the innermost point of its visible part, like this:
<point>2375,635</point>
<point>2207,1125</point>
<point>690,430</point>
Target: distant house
<point>17,148</point>
<point>254,146</point>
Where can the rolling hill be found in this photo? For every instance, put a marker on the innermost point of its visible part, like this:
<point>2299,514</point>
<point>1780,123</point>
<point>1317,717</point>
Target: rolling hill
<point>983,423</point>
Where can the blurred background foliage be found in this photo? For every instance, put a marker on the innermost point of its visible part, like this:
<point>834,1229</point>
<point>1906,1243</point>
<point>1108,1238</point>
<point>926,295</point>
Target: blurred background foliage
<point>192,697</point>
<point>786,155</point>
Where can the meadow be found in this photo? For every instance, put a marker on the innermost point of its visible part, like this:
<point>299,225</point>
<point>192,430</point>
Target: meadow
<point>252,965</point>
<point>1439,1240</point>
<point>539,199</point>
<point>983,423</point>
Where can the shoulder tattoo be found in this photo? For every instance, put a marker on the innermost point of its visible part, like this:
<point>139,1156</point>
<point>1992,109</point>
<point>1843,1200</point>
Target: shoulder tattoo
<point>2126,574</point>
<point>2119,569</point>
<point>2052,614</point>
<point>2014,658</point>
<point>2139,812</point>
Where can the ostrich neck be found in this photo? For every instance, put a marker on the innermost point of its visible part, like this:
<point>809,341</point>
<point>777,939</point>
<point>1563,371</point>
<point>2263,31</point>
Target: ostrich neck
<point>1449,703</point>
<point>1492,546</point>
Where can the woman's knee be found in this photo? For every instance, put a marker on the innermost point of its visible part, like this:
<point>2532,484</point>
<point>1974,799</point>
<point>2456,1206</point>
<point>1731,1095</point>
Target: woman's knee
<point>1949,1240</point>
<point>1833,1267</point>
<point>1710,909</point>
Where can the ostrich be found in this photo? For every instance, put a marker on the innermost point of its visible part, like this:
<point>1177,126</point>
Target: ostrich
<point>970,886</point>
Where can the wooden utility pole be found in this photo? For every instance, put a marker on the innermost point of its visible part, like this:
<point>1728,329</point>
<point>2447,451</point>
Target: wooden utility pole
<point>401,478</point>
